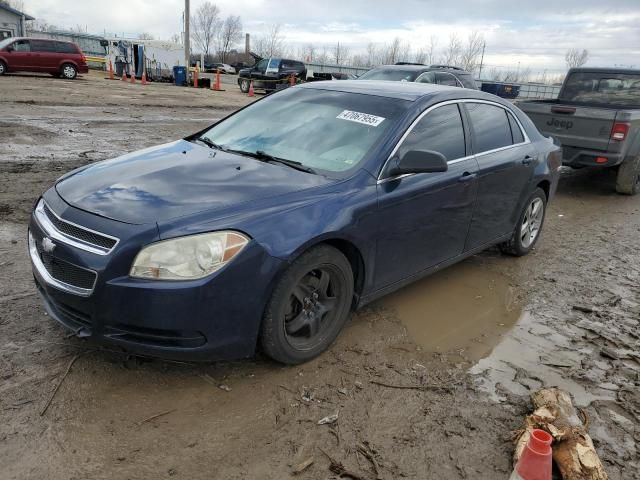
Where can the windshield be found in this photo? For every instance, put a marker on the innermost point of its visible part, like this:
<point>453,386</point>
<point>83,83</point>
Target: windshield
<point>5,42</point>
<point>618,89</point>
<point>391,74</point>
<point>325,130</point>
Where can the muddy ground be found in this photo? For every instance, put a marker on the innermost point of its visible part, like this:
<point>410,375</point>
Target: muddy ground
<point>476,338</point>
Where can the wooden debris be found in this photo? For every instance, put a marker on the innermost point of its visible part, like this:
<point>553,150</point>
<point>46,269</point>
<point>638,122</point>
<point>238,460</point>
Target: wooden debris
<point>573,450</point>
<point>157,415</point>
<point>302,466</point>
<point>55,390</point>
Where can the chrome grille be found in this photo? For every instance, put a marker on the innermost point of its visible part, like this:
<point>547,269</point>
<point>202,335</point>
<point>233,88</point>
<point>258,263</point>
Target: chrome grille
<point>78,232</point>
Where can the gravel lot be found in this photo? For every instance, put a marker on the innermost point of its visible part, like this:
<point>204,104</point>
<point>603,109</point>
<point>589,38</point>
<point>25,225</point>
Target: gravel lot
<point>475,338</point>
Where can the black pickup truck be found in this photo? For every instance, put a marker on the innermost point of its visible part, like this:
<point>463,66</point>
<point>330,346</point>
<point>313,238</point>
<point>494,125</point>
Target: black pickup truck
<point>596,118</point>
<point>268,73</point>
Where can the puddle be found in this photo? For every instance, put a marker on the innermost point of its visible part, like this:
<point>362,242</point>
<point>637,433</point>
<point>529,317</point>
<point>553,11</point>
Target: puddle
<point>465,308</point>
<point>531,356</point>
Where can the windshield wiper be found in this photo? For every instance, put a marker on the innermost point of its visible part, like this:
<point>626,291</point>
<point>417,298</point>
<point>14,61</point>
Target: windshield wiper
<point>265,157</point>
<point>209,143</point>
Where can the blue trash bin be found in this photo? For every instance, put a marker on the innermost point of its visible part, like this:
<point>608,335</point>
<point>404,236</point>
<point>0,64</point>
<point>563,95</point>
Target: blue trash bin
<point>180,76</point>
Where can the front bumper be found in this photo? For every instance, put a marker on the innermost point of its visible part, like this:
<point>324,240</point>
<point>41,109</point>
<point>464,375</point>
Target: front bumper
<point>214,318</point>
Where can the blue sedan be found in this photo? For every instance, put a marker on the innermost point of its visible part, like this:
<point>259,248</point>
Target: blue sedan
<point>266,229</point>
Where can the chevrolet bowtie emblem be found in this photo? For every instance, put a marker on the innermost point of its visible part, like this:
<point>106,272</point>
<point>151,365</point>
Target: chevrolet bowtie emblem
<point>48,245</point>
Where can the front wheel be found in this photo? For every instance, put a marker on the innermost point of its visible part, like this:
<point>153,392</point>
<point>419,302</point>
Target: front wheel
<point>68,71</point>
<point>309,306</point>
<point>628,179</point>
<point>3,68</point>
<point>244,85</point>
<point>529,226</point>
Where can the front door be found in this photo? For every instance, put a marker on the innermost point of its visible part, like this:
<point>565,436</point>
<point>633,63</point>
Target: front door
<point>506,160</point>
<point>424,218</point>
<point>20,56</point>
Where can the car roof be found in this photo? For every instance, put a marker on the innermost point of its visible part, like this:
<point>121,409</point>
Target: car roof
<point>604,70</point>
<point>40,39</point>
<point>401,90</point>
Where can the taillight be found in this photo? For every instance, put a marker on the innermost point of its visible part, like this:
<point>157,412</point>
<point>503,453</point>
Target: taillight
<point>619,131</point>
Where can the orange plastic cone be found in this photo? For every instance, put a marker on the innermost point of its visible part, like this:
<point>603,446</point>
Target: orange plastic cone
<point>124,75</point>
<point>535,461</point>
<point>143,80</point>
<point>110,70</point>
<point>217,84</point>
<point>195,78</point>
<point>251,92</point>
<point>292,80</point>
<point>133,77</point>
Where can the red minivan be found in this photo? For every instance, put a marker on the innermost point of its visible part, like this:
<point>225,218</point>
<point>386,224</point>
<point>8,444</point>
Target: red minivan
<point>18,54</point>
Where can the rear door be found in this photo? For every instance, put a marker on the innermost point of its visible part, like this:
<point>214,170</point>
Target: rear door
<point>506,159</point>
<point>424,218</point>
<point>45,55</point>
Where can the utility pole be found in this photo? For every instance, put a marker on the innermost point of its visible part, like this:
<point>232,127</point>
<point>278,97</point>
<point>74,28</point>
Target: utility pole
<point>484,44</point>
<point>187,37</point>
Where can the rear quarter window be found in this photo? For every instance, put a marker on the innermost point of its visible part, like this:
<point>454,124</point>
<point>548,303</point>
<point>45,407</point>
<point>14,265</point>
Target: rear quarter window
<point>64,47</point>
<point>43,46</point>
<point>490,125</point>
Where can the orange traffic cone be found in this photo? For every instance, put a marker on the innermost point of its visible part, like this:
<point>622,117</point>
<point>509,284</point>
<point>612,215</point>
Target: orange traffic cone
<point>124,75</point>
<point>195,78</point>
<point>251,92</point>
<point>133,77</point>
<point>110,70</point>
<point>535,461</point>
<point>292,80</point>
<point>216,85</point>
<point>143,80</point>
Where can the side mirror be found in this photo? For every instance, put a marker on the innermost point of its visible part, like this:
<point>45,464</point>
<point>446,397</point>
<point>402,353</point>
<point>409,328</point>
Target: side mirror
<point>418,161</point>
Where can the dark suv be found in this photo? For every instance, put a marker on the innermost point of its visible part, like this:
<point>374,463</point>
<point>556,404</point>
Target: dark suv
<point>42,56</point>
<point>438,74</point>
<point>267,73</point>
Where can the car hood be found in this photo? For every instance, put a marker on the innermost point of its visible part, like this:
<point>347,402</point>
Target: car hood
<point>177,179</point>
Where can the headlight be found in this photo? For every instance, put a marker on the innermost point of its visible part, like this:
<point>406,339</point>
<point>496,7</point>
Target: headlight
<point>188,258</point>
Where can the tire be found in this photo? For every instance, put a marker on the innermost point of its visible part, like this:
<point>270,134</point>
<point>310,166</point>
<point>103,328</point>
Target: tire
<point>3,68</point>
<point>244,85</point>
<point>628,179</point>
<point>68,71</point>
<point>308,307</point>
<point>522,243</point>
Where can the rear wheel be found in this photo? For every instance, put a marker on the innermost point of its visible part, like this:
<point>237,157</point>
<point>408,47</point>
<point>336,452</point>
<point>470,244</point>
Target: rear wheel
<point>529,226</point>
<point>309,306</point>
<point>68,71</point>
<point>244,85</point>
<point>3,68</point>
<point>628,179</point>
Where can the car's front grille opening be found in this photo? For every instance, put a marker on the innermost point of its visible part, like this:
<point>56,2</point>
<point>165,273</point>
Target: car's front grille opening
<point>64,271</point>
<point>69,315</point>
<point>80,233</point>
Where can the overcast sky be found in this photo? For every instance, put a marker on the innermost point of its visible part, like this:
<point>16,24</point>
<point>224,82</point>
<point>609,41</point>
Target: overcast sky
<point>535,34</point>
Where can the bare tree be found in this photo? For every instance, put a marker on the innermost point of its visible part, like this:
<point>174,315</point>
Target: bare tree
<point>340,54</point>
<point>175,38</point>
<point>472,51</point>
<point>372,54</point>
<point>576,58</point>
<point>204,26</point>
<point>453,53</point>
<point>270,44</point>
<point>431,49</point>
<point>421,55</point>
<point>392,51</point>
<point>145,36</point>
<point>228,35</point>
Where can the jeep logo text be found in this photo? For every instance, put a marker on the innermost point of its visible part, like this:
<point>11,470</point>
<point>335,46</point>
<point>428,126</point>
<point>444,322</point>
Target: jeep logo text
<point>554,122</point>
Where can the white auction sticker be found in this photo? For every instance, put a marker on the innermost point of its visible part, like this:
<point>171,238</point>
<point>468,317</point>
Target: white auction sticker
<point>359,117</point>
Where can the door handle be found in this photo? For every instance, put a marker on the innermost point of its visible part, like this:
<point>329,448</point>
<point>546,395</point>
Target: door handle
<point>527,160</point>
<point>467,177</point>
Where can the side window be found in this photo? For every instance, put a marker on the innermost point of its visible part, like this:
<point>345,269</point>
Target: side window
<point>490,125</point>
<point>262,65</point>
<point>446,79</point>
<point>427,77</point>
<point>440,130</point>
<point>22,46</point>
<point>63,47</point>
<point>516,132</point>
<point>42,46</point>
